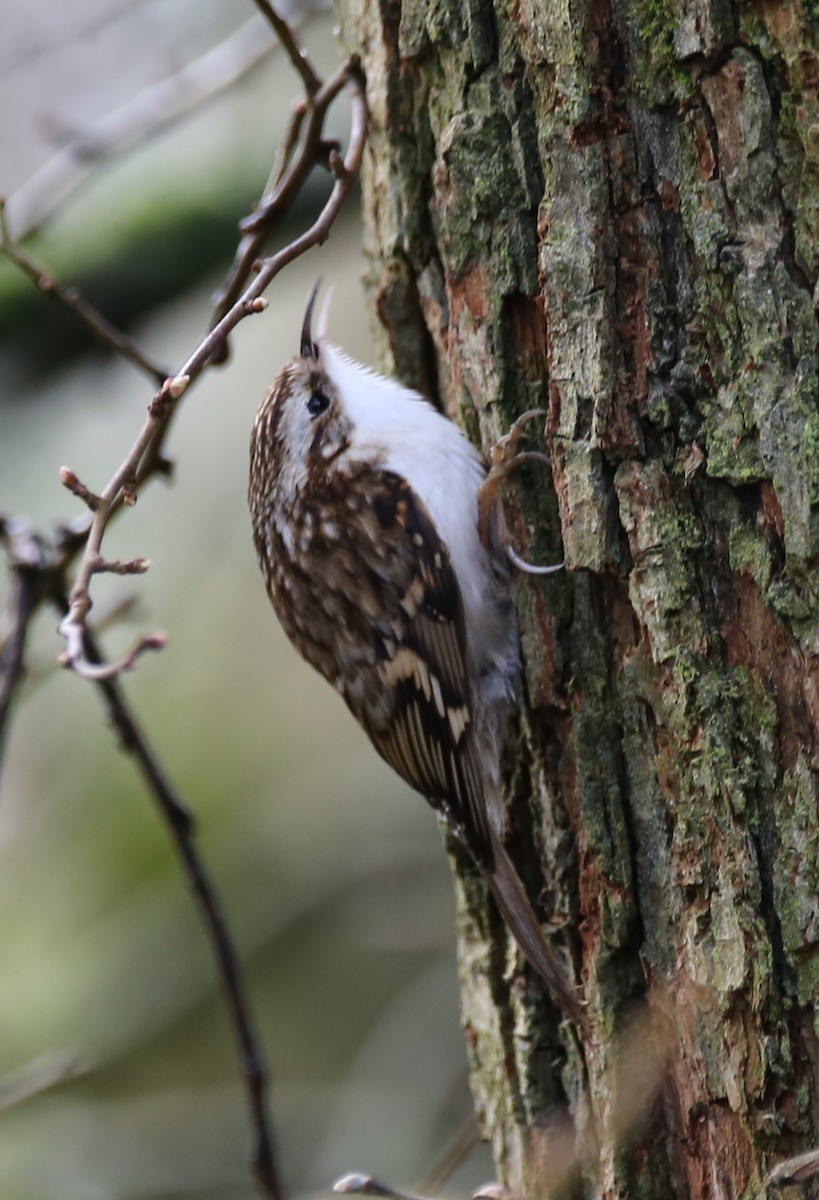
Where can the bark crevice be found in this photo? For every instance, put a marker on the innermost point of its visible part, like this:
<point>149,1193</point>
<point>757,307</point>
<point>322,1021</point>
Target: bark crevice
<point>621,226</point>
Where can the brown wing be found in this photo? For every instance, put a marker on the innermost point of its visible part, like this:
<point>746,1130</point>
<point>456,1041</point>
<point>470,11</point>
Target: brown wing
<point>411,692</point>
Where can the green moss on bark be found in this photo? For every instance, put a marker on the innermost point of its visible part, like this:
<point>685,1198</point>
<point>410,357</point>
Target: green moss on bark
<point>606,212</point>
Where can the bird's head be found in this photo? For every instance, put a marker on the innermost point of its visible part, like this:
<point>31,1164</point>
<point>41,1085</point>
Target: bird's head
<point>303,424</point>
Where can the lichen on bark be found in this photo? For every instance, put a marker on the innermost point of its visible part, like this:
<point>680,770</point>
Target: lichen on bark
<point>609,210</point>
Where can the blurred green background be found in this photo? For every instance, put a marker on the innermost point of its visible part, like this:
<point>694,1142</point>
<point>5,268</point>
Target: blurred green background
<point>332,873</point>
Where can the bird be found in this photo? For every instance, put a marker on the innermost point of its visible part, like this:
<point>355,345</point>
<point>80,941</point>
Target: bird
<point>384,552</point>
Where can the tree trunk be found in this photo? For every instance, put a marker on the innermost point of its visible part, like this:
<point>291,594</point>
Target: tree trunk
<point>610,212</point>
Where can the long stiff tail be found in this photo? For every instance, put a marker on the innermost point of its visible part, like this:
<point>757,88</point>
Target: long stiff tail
<point>517,912</point>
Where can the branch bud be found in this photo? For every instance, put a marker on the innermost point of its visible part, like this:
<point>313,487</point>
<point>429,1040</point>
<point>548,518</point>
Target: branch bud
<point>77,488</point>
<point>178,386</point>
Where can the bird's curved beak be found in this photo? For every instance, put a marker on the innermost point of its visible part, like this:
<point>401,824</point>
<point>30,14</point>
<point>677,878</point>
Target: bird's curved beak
<point>309,349</point>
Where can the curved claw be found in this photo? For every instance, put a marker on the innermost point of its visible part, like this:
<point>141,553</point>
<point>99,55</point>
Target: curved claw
<point>523,456</point>
<point>504,458</point>
<point>531,568</point>
<point>507,446</point>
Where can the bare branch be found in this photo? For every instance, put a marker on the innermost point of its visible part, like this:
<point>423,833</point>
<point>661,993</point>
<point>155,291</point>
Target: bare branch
<point>358,1184</point>
<point>180,825</point>
<point>98,673</point>
<point>291,176</point>
<point>291,46</point>
<point>40,1075</point>
<point>98,325</point>
<point>289,143</point>
<point>27,561</point>
<point>454,1153</point>
<point>41,568</point>
<point>75,485</point>
<point>139,462</point>
<point>135,566</point>
<point>157,107</point>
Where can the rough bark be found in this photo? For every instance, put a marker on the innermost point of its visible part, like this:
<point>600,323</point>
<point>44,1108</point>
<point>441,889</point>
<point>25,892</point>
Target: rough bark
<point>610,210</point>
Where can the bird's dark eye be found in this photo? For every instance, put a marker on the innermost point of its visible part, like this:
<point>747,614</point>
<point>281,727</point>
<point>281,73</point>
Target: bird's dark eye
<point>318,403</point>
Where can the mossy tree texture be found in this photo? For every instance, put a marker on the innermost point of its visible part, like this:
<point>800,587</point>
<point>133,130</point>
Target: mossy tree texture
<point>611,211</point>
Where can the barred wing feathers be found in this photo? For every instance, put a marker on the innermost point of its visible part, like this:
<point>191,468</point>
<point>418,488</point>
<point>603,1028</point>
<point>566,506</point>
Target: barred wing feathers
<point>413,697</point>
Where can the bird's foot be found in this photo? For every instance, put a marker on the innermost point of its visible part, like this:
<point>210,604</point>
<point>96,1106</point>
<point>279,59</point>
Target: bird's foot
<point>504,457</point>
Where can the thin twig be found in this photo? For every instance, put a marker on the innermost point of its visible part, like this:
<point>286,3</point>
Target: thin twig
<point>291,46</point>
<point>134,566</point>
<point>157,107</point>
<point>146,458</point>
<point>133,739</point>
<point>437,1176</point>
<point>358,1184</point>
<point>99,672</point>
<point>289,181</point>
<point>315,149</point>
<point>465,1140</point>
<point>456,1151</point>
<point>43,665</point>
<point>144,461</point>
<point>133,469</point>
<point>77,488</point>
<point>40,1075</point>
<point>26,566</point>
<point>289,143</point>
<point>180,824</point>
<point>98,325</point>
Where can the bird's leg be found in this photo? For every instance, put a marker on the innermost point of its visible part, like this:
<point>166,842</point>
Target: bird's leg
<point>503,458</point>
